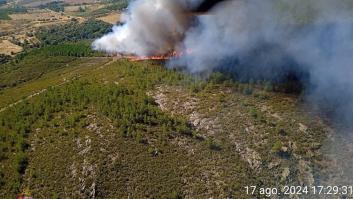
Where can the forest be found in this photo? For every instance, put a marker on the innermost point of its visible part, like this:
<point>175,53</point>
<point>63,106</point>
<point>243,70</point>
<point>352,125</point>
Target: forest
<point>131,111</point>
<point>56,6</point>
<point>73,31</point>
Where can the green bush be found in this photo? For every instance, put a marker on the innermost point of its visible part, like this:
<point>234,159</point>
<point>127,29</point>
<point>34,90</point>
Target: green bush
<point>253,113</point>
<point>277,146</point>
<point>175,195</point>
<point>217,78</point>
<point>56,6</point>
<point>211,144</point>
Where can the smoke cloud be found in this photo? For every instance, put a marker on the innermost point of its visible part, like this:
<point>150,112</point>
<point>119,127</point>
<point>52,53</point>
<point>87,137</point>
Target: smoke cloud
<point>149,27</point>
<point>269,39</point>
<point>263,39</point>
<point>252,38</point>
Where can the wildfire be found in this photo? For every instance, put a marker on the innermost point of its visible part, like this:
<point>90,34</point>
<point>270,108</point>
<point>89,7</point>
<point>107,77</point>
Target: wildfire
<point>153,57</point>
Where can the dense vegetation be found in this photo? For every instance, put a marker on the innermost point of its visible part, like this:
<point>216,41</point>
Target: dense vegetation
<point>132,113</point>
<point>4,58</point>
<point>79,49</point>
<point>56,6</point>
<point>74,31</point>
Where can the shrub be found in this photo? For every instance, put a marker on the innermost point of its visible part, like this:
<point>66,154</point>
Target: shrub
<point>253,113</point>
<point>175,195</point>
<point>211,144</point>
<point>268,86</point>
<point>217,78</point>
<point>248,90</point>
<point>277,146</point>
<point>22,162</point>
<point>2,180</point>
<point>139,137</point>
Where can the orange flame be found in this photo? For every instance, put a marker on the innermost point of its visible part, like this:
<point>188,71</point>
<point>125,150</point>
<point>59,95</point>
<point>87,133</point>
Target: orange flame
<point>153,57</point>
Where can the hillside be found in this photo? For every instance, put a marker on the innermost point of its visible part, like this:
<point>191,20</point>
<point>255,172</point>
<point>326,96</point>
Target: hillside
<point>112,128</point>
<point>78,123</point>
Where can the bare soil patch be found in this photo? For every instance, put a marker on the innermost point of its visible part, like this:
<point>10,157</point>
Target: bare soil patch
<point>6,26</point>
<point>111,18</point>
<point>8,48</point>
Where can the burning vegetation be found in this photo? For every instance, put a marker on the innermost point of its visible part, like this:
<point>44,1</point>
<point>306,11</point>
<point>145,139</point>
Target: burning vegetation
<point>136,58</point>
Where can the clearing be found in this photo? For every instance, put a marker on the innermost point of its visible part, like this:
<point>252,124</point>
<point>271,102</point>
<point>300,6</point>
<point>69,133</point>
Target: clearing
<point>111,18</point>
<point>8,48</point>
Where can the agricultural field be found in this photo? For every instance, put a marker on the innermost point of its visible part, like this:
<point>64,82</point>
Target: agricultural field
<point>21,20</point>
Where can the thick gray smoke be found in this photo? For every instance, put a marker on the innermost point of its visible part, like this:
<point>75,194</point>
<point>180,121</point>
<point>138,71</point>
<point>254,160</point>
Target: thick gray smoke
<point>269,39</point>
<point>266,39</point>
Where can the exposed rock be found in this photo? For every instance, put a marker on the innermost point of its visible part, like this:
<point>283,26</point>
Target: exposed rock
<point>274,164</point>
<point>182,103</point>
<point>285,174</point>
<point>305,173</point>
<point>302,127</point>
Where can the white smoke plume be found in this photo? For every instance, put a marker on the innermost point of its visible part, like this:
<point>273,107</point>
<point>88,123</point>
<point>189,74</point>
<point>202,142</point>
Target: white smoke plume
<point>149,27</point>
